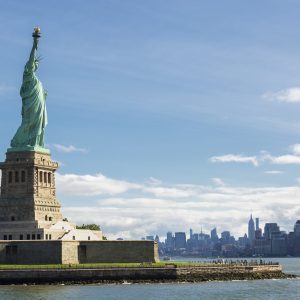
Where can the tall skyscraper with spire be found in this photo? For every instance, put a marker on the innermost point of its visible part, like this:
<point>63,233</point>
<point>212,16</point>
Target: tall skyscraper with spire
<point>251,231</point>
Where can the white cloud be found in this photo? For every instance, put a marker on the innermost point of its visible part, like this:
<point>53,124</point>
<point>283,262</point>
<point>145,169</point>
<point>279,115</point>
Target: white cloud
<point>237,158</point>
<point>291,95</point>
<point>68,149</point>
<point>218,181</point>
<point>169,192</point>
<point>287,159</point>
<point>295,149</point>
<point>273,172</point>
<point>141,208</point>
<point>132,210</point>
<point>228,208</point>
<point>154,181</point>
<point>92,185</point>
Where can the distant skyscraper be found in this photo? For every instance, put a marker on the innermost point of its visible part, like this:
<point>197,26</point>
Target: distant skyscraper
<point>258,234</point>
<point>269,229</point>
<point>256,223</point>
<point>191,233</point>
<point>213,235</point>
<point>170,241</point>
<point>225,235</point>
<point>243,241</point>
<point>297,228</point>
<point>251,230</point>
<point>180,240</point>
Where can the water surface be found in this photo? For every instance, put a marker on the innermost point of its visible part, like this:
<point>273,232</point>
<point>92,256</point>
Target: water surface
<point>256,289</point>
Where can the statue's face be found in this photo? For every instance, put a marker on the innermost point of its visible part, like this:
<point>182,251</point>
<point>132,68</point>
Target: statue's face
<point>36,65</point>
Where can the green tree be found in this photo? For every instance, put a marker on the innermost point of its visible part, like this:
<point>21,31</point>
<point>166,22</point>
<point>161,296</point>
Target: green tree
<point>88,226</point>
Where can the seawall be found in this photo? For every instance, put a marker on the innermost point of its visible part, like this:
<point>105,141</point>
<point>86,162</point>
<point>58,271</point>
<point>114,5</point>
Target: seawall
<point>77,252</point>
<point>140,274</point>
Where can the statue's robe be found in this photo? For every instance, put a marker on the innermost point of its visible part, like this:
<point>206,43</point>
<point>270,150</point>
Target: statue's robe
<point>34,113</point>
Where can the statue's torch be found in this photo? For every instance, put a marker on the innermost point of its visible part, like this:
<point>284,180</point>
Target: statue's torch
<point>36,32</point>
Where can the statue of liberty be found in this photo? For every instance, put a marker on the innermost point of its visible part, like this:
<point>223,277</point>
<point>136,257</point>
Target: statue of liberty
<point>30,135</point>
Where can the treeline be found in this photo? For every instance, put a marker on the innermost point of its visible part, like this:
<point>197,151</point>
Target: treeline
<point>88,226</point>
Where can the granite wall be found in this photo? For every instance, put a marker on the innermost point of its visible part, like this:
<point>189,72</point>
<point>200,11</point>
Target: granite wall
<point>74,252</point>
<point>149,274</point>
<point>117,251</point>
<point>30,252</point>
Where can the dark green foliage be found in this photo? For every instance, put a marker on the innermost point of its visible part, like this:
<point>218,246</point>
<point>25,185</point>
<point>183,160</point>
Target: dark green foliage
<point>89,226</point>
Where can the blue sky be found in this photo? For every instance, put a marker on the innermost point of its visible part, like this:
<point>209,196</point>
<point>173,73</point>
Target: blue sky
<point>179,105</point>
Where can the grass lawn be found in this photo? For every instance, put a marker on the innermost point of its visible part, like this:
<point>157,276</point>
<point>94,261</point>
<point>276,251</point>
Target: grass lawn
<point>107,265</point>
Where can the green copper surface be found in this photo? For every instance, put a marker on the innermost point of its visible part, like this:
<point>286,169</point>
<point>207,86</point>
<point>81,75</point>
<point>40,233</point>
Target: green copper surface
<point>29,148</point>
<point>30,134</point>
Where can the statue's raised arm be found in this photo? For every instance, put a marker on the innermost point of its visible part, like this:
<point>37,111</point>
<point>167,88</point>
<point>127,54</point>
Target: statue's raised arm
<point>32,63</point>
<point>34,49</point>
<point>30,135</point>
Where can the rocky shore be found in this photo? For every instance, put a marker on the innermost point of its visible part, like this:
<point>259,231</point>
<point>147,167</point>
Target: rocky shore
<point>171,273</point>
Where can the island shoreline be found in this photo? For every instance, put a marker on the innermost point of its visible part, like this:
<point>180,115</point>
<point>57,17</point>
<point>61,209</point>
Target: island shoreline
<point>170,274</point>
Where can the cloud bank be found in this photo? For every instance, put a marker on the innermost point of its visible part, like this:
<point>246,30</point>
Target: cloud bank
<point>133,210</point>
<point>91,185</point>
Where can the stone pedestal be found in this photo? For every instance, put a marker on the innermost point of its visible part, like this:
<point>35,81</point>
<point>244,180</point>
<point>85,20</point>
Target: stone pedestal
<point>28,205</point>
<point>29,209</point>
<point>28,188</point>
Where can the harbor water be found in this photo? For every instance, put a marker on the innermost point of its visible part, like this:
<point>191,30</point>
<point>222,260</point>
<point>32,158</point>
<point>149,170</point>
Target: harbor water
<point>256,289</point>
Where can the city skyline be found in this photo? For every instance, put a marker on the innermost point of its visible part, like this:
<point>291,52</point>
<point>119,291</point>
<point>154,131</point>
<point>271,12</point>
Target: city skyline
<point>177,115</point>
<point>264,241</point>
<point>218,230</point>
